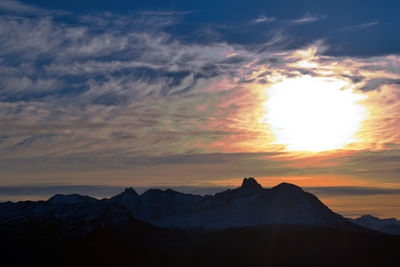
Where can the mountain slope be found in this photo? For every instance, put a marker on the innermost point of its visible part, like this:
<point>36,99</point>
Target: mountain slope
<point>70,199</point>
<point>389,226</point>
<point>154,203</point>
<point>250,204</point>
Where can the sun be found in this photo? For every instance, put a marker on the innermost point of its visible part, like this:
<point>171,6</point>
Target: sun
<point>314,113</point>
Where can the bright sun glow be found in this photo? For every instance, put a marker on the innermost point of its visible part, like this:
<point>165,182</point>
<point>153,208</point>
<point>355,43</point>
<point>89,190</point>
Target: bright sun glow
<point>314,113</point>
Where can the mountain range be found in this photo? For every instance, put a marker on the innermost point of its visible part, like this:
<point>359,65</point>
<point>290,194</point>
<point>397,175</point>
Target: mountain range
<point>169,228</point>
<point>249,204</point>
<point>389,226</point>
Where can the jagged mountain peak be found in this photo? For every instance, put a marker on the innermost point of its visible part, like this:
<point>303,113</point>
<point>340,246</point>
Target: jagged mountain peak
<point>130,190</point>
<point>250,184</point>
<point>128,195</point>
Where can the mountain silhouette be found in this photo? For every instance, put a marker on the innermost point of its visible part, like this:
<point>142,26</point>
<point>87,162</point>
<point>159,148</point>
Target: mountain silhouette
<point>389,226</point>
<point>70,199</point>
<point>250,186</point>
<point>251,204</point>
<point>154,203</point>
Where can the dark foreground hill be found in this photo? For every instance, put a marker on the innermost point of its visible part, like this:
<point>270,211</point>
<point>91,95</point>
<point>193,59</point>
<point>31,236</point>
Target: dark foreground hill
<point>136,243</point>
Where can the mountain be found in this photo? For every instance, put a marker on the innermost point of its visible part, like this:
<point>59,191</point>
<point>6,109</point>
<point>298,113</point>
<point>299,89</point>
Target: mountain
<point>70,199</point>
<point>130,200</point>
<point>251,204</point>
<point>148,206</point>
<point>161,203</point>
<point>389,226</point>
<point>98,212</point>
<point>154,203</point>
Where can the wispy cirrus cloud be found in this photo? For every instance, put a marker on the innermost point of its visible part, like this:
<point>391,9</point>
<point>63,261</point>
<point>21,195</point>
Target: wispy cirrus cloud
<point>166,13</point>
<point>378,82</point>
<point>308,18</point>
<point>263,19</point>
<point>18,7</point>
<point>360,26</point>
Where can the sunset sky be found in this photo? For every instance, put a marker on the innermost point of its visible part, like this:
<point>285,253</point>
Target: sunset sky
<point>100,95</point>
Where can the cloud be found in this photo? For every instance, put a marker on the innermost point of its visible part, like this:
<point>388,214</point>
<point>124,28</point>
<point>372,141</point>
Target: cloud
<point>359,26</point>
<point>263,19</point>
<point>374,84</point>
<point>25,84</point>
<point>18,7</point>
<point>308,18</point>
<point>165,13</point>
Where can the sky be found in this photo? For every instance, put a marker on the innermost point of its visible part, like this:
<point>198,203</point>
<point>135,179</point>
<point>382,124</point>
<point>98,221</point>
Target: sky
<point>96,96</point>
